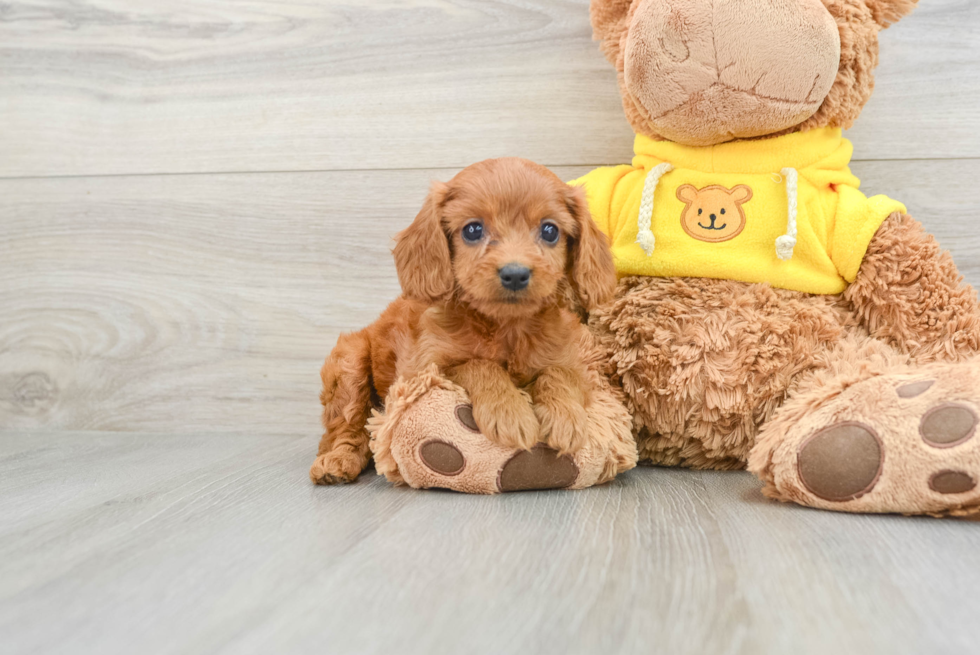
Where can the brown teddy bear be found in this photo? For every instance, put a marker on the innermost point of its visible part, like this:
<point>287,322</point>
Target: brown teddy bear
<point>768,313</point>
<point>820,337</point>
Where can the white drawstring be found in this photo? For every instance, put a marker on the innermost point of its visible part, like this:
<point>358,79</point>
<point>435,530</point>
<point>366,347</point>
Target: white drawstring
<point>786,243</point>
<point>644,235</point>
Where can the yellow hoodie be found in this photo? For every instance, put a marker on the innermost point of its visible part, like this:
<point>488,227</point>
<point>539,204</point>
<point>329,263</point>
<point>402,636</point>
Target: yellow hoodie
<point>785,210</point>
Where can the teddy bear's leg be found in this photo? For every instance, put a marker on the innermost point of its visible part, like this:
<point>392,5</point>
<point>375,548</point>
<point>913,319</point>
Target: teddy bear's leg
<point>870,432</point>
<point>704,362</point>
<point>428,438</point>
<point>908,293</point>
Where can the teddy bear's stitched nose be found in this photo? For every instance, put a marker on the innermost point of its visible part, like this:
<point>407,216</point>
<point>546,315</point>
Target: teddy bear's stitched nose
<point>707,72</point>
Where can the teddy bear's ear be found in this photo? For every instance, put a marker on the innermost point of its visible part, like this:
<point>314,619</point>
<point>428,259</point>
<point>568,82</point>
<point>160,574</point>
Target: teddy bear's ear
<point>609,24</point>
<point>741,194</point>
<point>687,193</point>
<point>886,12</point>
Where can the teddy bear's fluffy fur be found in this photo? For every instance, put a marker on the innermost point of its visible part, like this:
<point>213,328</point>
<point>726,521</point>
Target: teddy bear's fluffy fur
<point>706,362</point>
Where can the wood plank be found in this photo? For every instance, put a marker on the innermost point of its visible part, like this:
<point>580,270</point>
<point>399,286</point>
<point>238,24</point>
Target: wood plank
<point>123,86</point>
<point>208,302</point>
<point>926,102</point>
<point>218,544</point>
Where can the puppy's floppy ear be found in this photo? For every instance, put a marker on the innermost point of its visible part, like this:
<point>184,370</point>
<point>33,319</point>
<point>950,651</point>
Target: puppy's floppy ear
<point>591,270</point>
<point>887,12</point>
<point>421,251</point>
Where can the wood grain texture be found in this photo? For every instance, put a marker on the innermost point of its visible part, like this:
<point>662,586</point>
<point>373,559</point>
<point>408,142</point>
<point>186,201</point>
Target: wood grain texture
<point>138,86</point>
<point>179,314</point>
<point>208,302</point>
<point>926,102</point>
<point>115,543</point>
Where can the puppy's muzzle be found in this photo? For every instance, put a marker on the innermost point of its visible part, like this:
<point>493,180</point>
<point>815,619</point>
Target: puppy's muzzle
<point>514,277</point>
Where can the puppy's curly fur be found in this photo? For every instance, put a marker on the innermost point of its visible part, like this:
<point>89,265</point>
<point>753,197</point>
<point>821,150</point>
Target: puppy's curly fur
<point>499,343</point>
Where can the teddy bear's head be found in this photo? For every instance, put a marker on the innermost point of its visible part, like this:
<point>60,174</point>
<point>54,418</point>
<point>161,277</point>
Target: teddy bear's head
<point>702,72</point>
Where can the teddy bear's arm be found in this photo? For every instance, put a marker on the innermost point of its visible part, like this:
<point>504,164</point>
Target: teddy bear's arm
<point>909,293</point>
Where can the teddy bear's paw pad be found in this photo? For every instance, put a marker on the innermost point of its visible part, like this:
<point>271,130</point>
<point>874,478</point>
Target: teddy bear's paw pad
<point>952,482</point>
<point>913,389</point>
<point>948,425</point>
<point>841,462</point>
<point>442,457</point>
<point>539,468</point>
<point>464,414</point>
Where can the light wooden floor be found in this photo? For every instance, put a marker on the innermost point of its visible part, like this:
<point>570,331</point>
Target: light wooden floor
<point>197,197</point>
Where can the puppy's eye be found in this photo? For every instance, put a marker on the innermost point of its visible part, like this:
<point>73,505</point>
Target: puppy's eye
<point>473,231</point>
<point>549,233</point>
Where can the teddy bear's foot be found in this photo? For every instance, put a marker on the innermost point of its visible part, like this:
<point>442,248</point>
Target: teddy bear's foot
<point>427,438</point>
<point>902,442</point>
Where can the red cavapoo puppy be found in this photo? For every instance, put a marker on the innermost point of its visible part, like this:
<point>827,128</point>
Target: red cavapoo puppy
<point>489,270</point>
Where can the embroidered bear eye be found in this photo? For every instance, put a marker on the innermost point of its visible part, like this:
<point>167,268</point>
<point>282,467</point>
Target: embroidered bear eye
<point>473,231</point>
<point>699,211</point>
<point>549,233</point>
<point>722,210</point>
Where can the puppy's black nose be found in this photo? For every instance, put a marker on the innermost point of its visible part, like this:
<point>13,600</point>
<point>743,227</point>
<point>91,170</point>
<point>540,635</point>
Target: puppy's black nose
<point>514,276</point>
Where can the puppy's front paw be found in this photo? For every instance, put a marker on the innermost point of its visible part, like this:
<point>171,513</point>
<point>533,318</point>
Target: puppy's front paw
<point>337,467</point>
<point>508,421</point>
<point>564,424</point>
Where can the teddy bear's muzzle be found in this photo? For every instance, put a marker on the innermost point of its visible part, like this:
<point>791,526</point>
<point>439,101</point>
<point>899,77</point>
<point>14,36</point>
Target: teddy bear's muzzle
<point>706,72</point>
